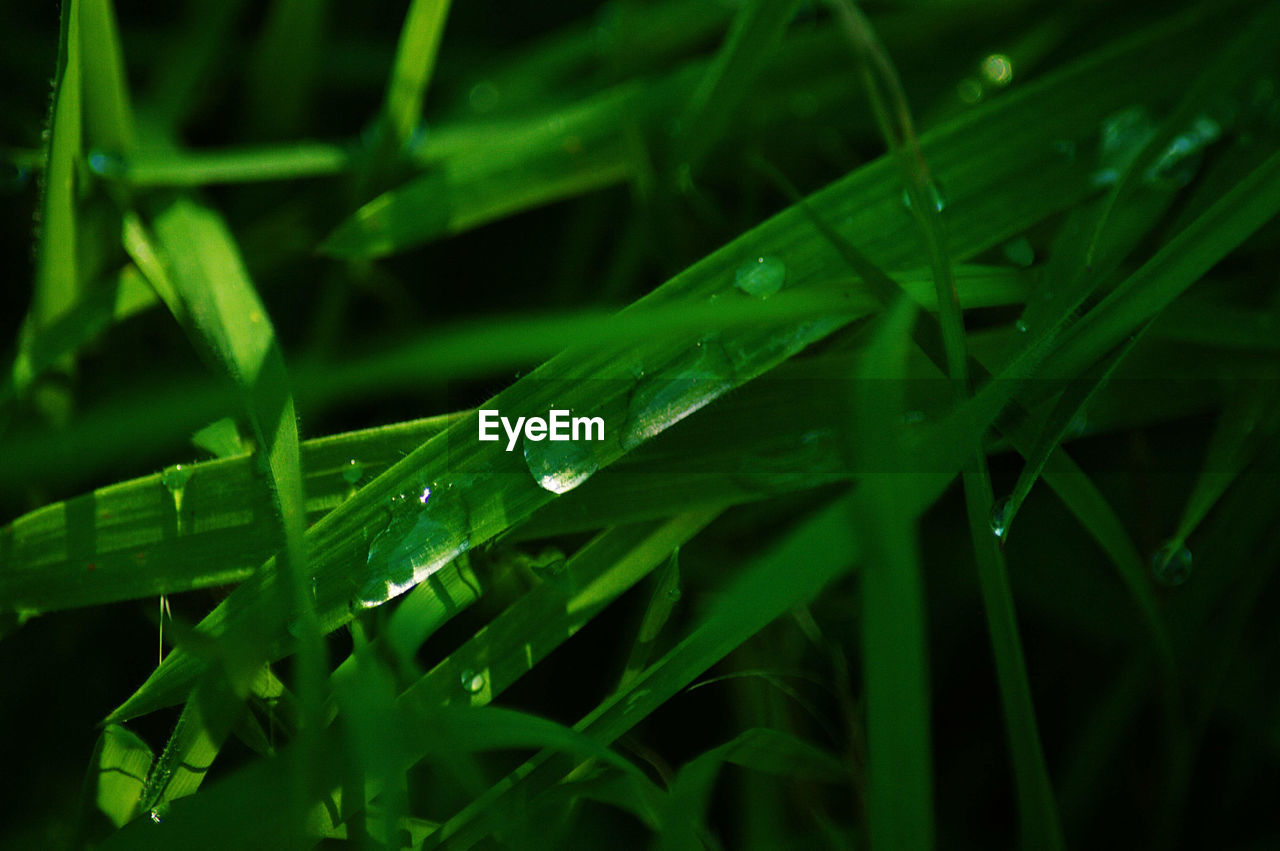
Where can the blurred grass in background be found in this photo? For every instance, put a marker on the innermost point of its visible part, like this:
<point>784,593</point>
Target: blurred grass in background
<point>937,349</point>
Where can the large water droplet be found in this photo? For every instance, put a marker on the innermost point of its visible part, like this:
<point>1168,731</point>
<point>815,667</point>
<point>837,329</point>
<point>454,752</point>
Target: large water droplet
<point>662,399</point>
<point>791,464</point>
<point>1000,517</point>
<point>559,465</point>
<point>472,681</point>
<point>997,70</point>
<point>175,478</point>
<point>1171,564</point>
<point>761,277</point>
<point>428,529</point>
<point>353,472</point>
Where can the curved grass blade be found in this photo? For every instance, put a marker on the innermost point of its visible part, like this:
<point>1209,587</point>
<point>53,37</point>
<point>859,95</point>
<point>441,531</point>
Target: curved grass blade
<point>821,549</point>
<point>760,749</point>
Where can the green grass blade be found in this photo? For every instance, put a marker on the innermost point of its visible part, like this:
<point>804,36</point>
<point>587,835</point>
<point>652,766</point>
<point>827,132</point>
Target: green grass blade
<point>121,764</point>
<point>895,654</point>
<point>1178,264</point>
<point>756,31</point>
<point>414,63</point>
<point>108,115</point>
<point>281,74</point>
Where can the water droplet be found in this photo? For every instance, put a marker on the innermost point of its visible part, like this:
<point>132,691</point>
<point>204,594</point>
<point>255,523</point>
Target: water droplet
<point>1178,163</point>
<point>483,96</point>
<point>1020,252</point>
<point>353,472</point>
<point>1000,517</point>
<point>156,817</point>
<point>559,465</point>
<point>791,465</point>
<point>932,192</point>
<point>969,90</point>
<point>13,177</point>
<point>1171,564</point>
<point>1021,325</point>
<point>419,539</point>
<point>674,593</point>
<point>662,399</point>
<point>997,70</point>
<point>472,681</point>
<point>106,165</point>
<point>761,277</point>
<point>175,478</point>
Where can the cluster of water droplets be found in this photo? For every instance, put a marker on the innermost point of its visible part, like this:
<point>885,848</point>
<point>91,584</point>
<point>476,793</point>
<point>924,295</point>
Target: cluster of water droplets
<point>428,527</point>
<point>1124,134</point>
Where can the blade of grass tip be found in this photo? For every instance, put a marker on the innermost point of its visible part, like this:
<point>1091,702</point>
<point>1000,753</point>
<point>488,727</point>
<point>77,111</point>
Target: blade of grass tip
<point>666,593</point>
<point>108,110</point>
<point>1249,418</point>
<point>411,73</point>
<point>57,283</point>
<point>757,29</point>
<point>1040,825</point>
<point>1177,137</point>
<point>1057,425</point>
<point>119,769</point>
<point>760,749</point>
<point>818,551</point>
<point>895,655</point>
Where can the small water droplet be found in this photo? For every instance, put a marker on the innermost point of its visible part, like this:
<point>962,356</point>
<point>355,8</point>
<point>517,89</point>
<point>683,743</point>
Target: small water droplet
<point>1171,564</point>
<point>692,380</point>
<point>353,472</point>
<point>156,817</point>
<point>559,466</point>
<point>1021,325</point>
<point>674,593</point>
<point>106,165</point>
<point>761,277</point>
<point>933,194</point>
<point>472,681</point>
<point>1000,517</point>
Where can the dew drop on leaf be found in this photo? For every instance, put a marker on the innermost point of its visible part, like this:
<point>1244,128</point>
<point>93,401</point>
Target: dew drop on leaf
<point>1171,564</point>
<point>472,681</point>
<point>761,276</point>
<point>1000,517</point>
